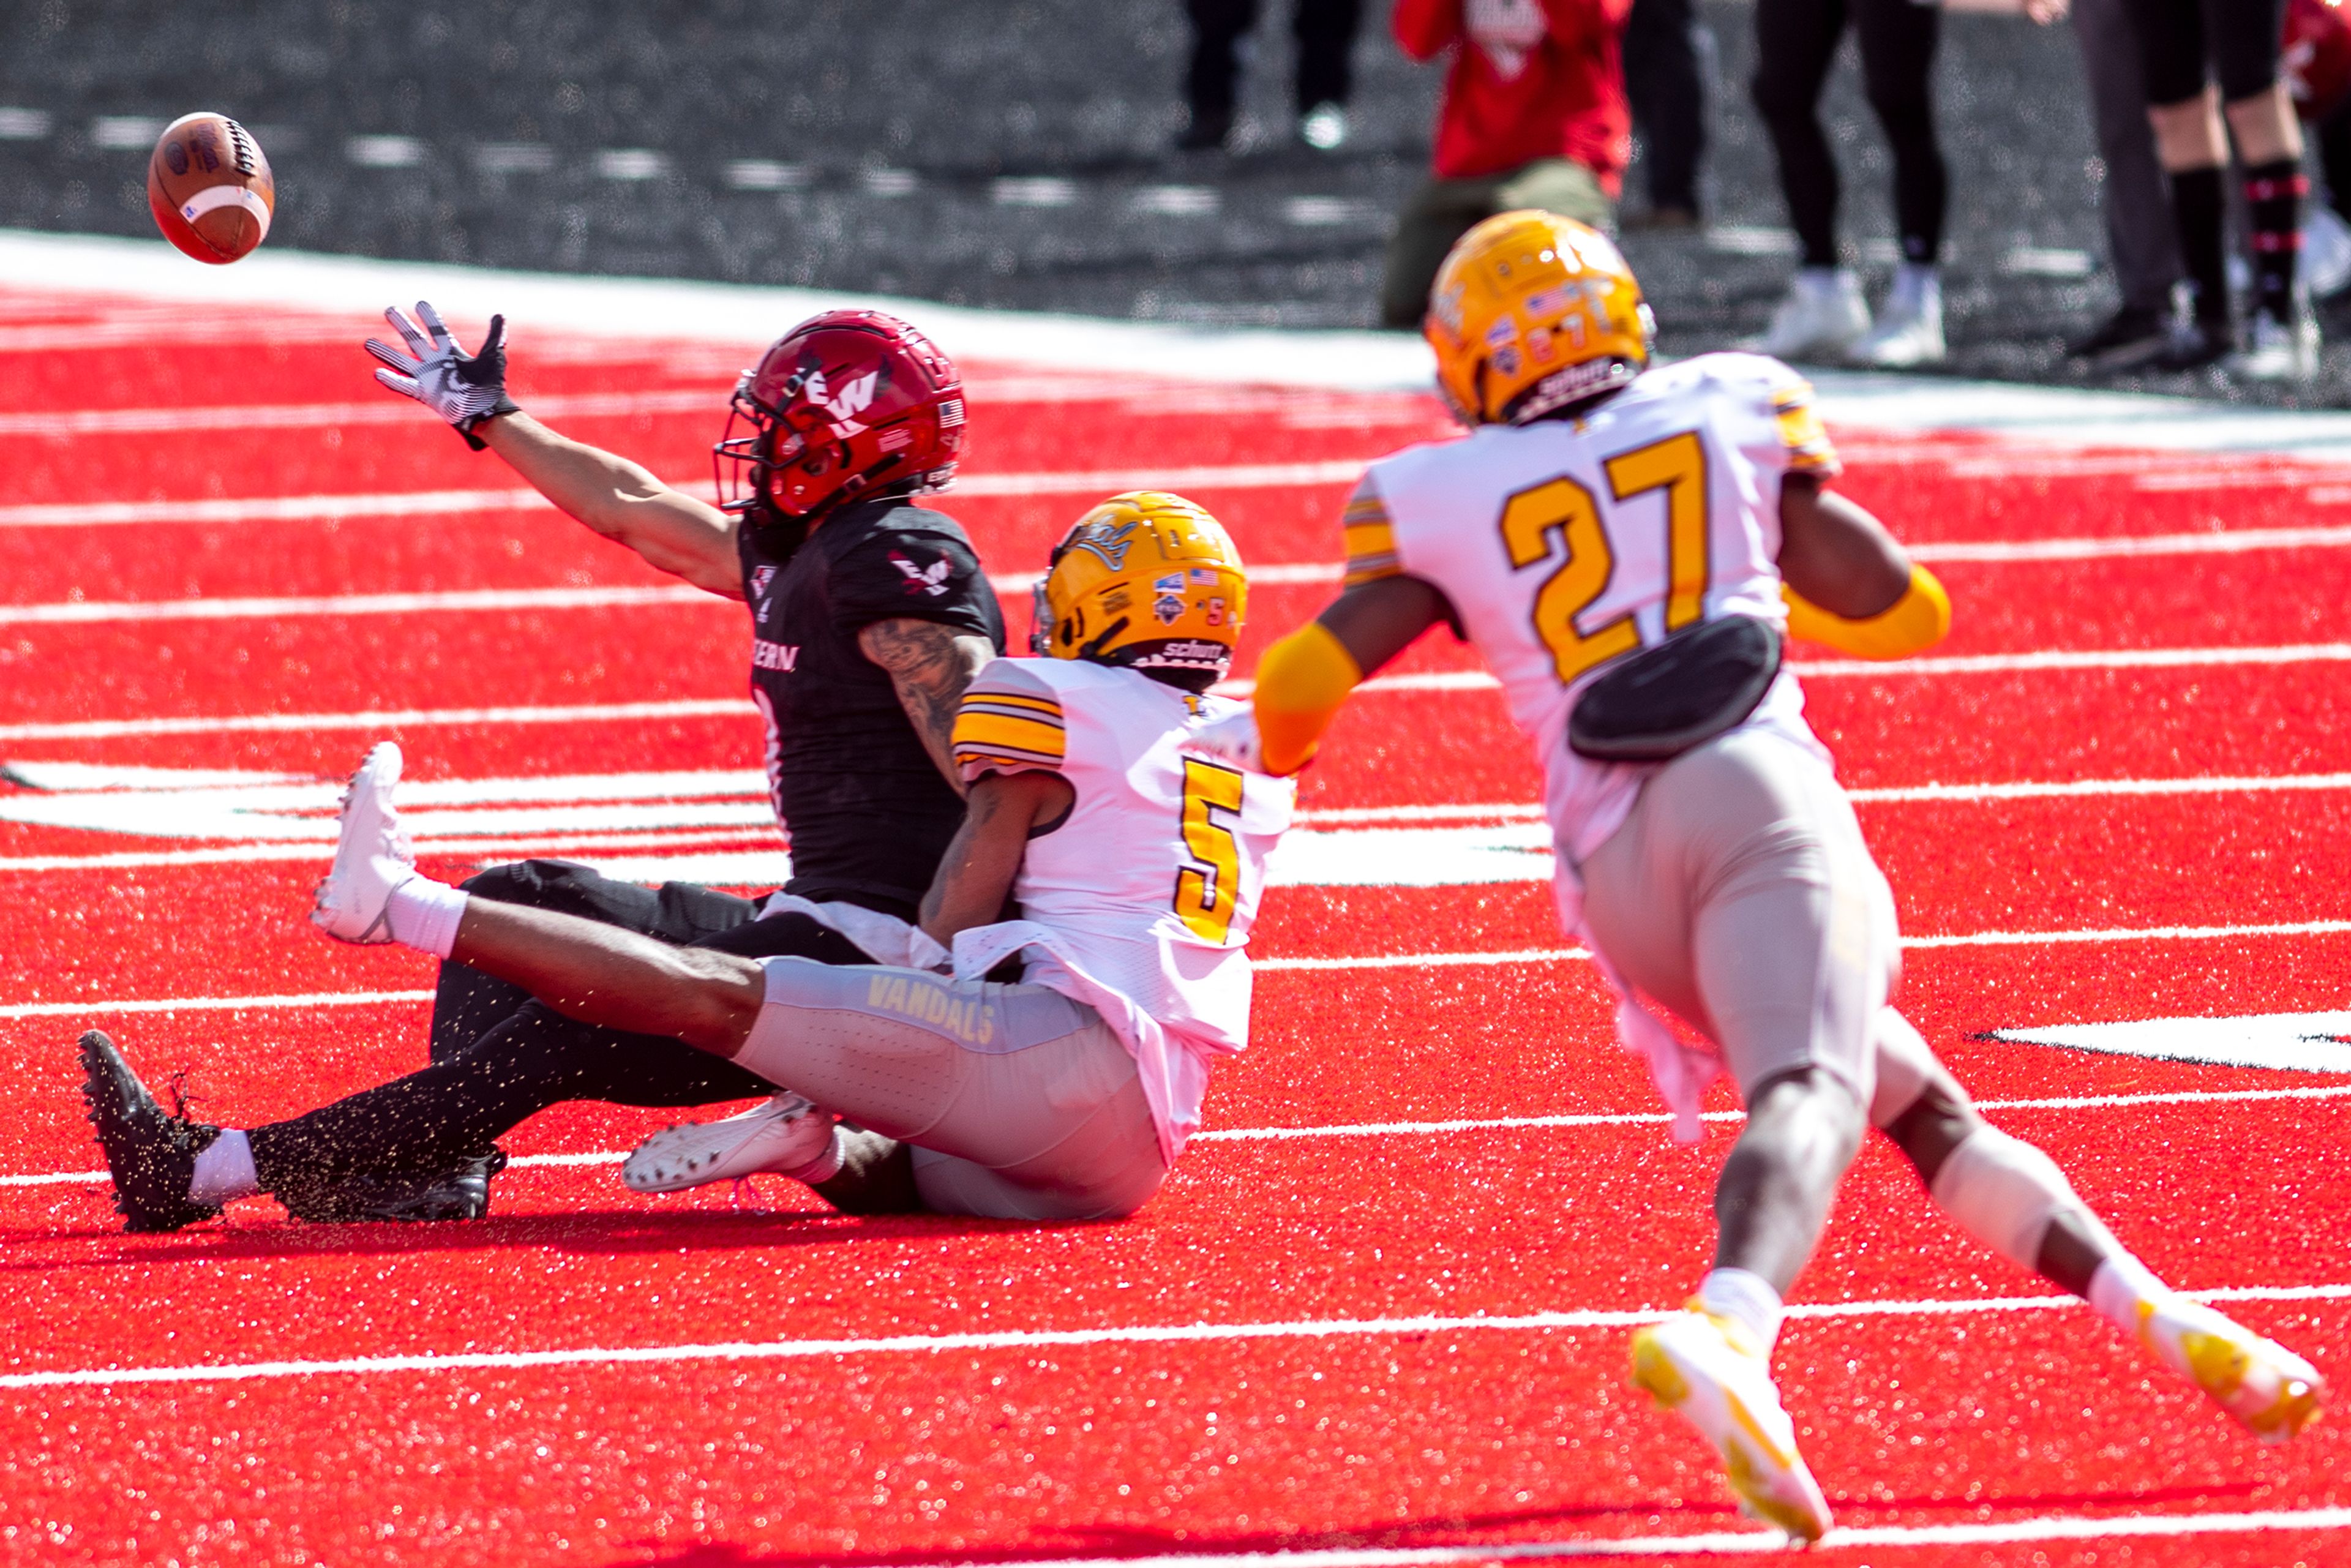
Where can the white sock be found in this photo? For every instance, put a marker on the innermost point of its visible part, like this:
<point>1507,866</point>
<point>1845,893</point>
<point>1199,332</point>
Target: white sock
<point>2120,1285</point>
<point>423,913</point>
<point>1744,1298</point>
<point>826,1165</point>
<point>225,1170</point>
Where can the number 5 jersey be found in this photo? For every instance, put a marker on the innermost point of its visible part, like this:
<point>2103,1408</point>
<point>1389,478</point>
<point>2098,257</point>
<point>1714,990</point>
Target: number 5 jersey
<point>1139,902</point>
<point>1566,544</point>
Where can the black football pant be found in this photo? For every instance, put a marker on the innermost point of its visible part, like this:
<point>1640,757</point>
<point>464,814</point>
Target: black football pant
<point>1668,98</point>
<point>499,1057</point>
<point>1326,31</point>
<point>1795,44</point>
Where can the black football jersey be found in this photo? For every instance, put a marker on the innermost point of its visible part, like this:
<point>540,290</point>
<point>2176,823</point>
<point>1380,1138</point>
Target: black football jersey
<point>869,814</point>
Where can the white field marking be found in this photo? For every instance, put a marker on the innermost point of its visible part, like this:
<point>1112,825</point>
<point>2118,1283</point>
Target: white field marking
<point>380,719</point>
<point>2285,1042</point>
<point>444,503</point>
<point>308,415</point>
<point>1043,1339</point>
<point>1746,1542</point>
<point>473,600</point>
<point>212,1004</point>
<point>2232,784</point>
<point>1564,1123</point>
<point>2228,542</point>
<point>1971,665</point>
<point>490,850</point>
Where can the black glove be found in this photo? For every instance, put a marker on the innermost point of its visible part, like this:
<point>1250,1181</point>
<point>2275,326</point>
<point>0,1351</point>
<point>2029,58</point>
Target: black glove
<point>464,389</point>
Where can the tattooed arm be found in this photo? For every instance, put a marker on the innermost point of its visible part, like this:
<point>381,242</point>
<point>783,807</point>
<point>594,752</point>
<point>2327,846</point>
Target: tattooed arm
<point>930,666</point>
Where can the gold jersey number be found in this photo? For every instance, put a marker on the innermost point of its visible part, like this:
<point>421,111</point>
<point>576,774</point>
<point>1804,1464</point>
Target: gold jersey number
<point>1565,507</point>
<point>1208,891</point>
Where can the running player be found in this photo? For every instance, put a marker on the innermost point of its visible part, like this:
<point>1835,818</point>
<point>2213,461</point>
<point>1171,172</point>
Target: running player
<point>869,614</point>
<point>1623,546</point>
<point>1138,865</point>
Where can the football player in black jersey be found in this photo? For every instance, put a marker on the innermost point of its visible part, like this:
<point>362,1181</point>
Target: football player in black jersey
<point>870,615</point>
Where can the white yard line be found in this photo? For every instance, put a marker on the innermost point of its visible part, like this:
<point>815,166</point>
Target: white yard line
<point>1564,1123</point>
<point>1741,1543</point>
<point>1047,1339</point>
<point>380,719</point>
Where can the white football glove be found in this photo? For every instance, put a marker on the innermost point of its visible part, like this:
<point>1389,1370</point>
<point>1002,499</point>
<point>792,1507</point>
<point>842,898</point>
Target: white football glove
<point>1232,739</point>
<point>464,389</point>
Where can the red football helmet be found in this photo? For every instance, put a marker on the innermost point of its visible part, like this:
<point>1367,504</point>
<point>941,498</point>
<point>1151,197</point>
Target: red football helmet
<point>2315,56</point>
<point>844,404</point>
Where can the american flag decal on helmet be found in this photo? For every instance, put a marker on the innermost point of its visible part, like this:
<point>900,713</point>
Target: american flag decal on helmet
<point>950,413</point>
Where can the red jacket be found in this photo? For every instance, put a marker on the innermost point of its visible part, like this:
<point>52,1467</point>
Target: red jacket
<point>1531,78</point>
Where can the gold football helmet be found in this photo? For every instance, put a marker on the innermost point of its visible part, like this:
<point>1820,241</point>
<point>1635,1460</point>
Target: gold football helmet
<point>1146,580</point>
<point>1532,312</point>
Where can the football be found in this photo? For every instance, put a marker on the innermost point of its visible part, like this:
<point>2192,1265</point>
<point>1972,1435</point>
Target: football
<point>210,188</point>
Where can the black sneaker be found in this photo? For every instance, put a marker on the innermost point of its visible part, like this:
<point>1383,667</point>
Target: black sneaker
<point>461,1191</point>
<point>2195,345</point>
<point>152,1155</point>
<point>2131,336</point>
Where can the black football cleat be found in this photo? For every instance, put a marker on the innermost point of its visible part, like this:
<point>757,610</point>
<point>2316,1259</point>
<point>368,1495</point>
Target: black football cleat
<point>461,1191</point>
<point>153,1154</point>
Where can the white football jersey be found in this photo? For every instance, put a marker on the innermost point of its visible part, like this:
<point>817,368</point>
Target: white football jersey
<point>1565,545</point>
<point>1142,898</point>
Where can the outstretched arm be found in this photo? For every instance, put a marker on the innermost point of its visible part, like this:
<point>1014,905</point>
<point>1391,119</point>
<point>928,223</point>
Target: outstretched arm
<point>603,974</point>
<point>930,666</point>
<point>975,876</point>
<point>622,500</point>
<point>674,531</point>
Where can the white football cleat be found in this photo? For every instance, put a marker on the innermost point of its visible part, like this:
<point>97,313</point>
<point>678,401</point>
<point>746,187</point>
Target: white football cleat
<point>2272,1391</point>
<point>1822,317</point>
<point>1909,330</point>
<point>785,1134</point>
<point>372,855</point>
<point>1710,1371</point>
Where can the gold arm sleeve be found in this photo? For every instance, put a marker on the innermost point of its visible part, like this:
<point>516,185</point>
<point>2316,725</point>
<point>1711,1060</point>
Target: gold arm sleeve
<point>1302,682</point>
<point>1912,624</point>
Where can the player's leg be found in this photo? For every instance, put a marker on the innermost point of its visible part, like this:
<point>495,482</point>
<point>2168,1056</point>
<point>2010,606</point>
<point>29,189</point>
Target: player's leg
<point>1738,893</point>
<point>466,1003</point>
<point>1898,58</point>
<point>1021,1103</point>
<point>2013,1197</point>
<point>1795,43</point>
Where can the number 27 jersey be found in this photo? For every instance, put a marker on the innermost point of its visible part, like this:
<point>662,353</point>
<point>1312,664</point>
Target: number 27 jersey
<point>1565,545</point>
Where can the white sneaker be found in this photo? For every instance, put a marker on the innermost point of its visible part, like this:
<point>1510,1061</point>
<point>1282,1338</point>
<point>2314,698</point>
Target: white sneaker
<point>786,1134</point>
<point>2278,350</point>
<point>2268,1388</point>
<point>2326,252</point>
<point>1323,128</point>
<point>372,855</point>
<point>1822,317</point>
<point>1710,1371</point>
<point>1909,330</point>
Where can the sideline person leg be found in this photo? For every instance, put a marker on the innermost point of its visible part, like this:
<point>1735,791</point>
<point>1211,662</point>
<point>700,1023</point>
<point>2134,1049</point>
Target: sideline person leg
<point>1438,213</point>
<point>1823,315</point>
<point>1897,60</point>
<point>2141,240</point>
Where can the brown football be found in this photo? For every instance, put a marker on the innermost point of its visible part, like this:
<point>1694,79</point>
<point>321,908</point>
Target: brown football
<point>210,188</point>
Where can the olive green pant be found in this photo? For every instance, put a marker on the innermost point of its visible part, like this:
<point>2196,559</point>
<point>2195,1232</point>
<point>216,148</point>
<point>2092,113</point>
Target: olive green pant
<point>1441,211</point>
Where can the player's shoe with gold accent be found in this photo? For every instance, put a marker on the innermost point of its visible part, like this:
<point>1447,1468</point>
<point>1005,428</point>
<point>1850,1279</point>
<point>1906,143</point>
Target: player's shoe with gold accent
<point>1710,1371</point>
<point>785,1134</point>
<point>2272,1391</point>
<point>372,855</point>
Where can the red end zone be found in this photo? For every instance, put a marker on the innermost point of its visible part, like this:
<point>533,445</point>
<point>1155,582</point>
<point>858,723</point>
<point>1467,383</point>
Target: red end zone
<point>1379,1312</point>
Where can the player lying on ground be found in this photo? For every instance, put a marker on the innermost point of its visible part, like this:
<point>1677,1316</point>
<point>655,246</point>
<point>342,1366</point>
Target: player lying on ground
<point>1137,866</point>
<point>1615,544</point>
<point>869,614</point>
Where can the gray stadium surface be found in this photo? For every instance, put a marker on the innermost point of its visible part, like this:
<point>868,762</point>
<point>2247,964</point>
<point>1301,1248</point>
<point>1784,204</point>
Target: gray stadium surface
<point>991,153</point>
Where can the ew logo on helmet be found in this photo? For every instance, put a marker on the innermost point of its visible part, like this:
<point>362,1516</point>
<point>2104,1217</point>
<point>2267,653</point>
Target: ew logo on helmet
<point>847,403</point>
<point>931,580</point>
<point>1106,542</point>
